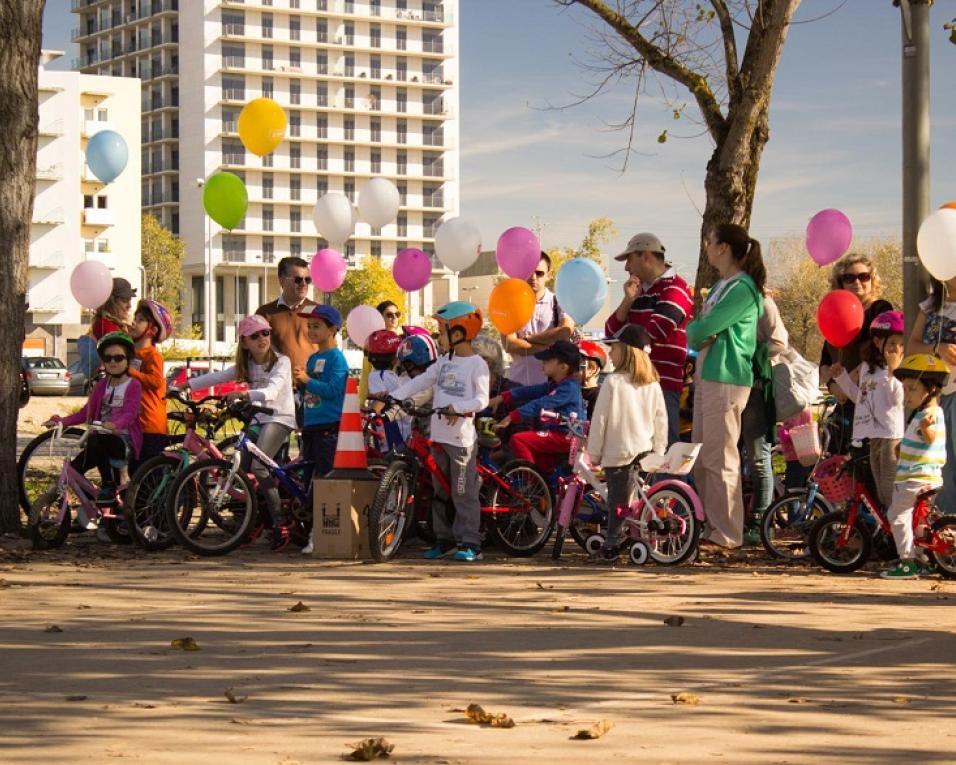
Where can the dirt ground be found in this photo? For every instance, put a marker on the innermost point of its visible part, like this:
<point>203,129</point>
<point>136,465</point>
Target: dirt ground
<point>40,408</point>
<point>788,665</point>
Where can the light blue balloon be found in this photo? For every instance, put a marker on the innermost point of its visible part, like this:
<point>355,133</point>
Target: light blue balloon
<point>581,288</point>
<point>107,154</point>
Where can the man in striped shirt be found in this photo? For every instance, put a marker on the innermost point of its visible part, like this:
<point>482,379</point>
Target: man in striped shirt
<point>659,300</point>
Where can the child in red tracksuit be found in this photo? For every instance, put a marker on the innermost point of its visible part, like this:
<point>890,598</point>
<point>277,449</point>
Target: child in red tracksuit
<point>562,394</point>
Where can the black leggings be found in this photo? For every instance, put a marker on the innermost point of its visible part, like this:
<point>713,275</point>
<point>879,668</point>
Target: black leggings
<point>100,450</point>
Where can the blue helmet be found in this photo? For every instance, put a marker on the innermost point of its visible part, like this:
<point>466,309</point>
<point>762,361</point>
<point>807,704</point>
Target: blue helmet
<point>418,350</point>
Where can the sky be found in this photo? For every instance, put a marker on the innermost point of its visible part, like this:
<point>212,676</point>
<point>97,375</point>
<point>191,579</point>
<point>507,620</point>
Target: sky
<point>834,128</point>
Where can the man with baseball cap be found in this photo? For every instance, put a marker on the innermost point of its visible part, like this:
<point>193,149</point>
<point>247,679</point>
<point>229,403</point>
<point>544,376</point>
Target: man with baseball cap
<point>658,300</point>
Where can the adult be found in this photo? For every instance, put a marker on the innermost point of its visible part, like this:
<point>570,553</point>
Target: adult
<point>114,314</point>
<point>725,335</point>
<point>657,299</point>
<point>392,315</point>
<point>289,332</point>
<point>548,324</point>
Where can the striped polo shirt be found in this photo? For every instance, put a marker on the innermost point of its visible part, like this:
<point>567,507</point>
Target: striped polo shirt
<point>921,460</point>
<point>663,309</point>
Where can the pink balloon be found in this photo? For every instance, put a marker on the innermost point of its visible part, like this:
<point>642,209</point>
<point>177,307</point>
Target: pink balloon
<point>361,322</point>
<point>328,269</point>
<point>829,234</point>
<point>91,283</point>
<point>412,269</point>
<point>518,252</point>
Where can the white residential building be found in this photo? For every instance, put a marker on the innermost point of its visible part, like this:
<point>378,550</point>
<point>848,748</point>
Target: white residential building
<point>75,216</point>
<point>370,88</point>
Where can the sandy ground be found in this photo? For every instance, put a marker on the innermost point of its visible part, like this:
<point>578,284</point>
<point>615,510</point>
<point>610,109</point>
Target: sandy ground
<point>40,408</point>
<point>790,665</point>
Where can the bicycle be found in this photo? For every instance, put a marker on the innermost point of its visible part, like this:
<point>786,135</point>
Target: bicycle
<point>516,504</point>
<point>213,506</point>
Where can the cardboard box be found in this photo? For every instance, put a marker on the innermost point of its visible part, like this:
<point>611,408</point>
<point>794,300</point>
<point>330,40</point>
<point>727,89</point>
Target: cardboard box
<point>341,518</point>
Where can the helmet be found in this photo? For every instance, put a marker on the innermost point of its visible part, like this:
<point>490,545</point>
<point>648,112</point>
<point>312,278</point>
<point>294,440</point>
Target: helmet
<point>408,330</point>
<point>591,350</point>
<point>923,366</point>
<point>887,323</point>
<point>159,315</point>
<point>382,342</point>
<point>117,338</point>
<point>417,350</point>
<point>462,315</point>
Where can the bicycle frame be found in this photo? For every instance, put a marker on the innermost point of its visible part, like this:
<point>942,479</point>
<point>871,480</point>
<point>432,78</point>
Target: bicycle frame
<point>84,489</point>
<point>279,472</point>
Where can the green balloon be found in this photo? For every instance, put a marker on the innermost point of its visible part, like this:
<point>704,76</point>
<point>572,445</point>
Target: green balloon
<point>225,199</point>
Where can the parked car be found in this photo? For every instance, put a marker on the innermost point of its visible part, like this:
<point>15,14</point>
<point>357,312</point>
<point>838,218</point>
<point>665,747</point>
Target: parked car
<point>177,376</point>
<point>46,374</point>
<point>80,381</point>
<point>24,388</point>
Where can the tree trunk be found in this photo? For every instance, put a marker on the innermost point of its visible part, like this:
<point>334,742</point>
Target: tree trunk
<point>20,26</point>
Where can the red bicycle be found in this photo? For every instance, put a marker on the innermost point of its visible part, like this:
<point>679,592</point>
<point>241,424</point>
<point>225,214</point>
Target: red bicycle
<point>516,504</point>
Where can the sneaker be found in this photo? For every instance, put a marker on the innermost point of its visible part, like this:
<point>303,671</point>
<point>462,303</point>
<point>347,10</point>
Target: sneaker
<point>439,551</point>
<point>752,537</point>
<point>310,546</point>
<point>279,538</point>
<point>903,569</point>
<point>467,554</point>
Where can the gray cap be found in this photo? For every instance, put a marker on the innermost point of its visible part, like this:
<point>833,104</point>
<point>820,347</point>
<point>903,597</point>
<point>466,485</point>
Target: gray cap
<point>645,242</point>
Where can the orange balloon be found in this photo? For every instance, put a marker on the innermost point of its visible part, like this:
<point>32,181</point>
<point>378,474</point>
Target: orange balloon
<point>511,305</point>
<point>948,206</point>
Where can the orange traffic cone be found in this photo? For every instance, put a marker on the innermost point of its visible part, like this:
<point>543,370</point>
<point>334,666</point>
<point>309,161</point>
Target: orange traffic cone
<point>350,459</point>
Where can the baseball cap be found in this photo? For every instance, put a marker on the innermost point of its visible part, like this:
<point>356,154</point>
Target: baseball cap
<point>633,335</point>
<point>326,312</point>
<point>645,242</point>
<point>252,324</point>
<point>562,350</point>
<point>122,289</point>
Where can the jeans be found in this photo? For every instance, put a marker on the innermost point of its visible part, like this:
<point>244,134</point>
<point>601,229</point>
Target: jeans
<point>458,465</point>
<point>946,499</point>
<point>672,404</point>
<point>753,427</point>
<point>318,446</point>
<point>620,483</point>
<point>270,439</point>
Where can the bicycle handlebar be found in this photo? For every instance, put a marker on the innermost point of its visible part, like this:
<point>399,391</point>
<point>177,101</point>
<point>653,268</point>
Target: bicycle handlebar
<point>411,408</point>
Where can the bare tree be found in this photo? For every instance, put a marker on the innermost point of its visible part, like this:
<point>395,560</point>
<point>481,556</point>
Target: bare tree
<point>20,24</point>
<point>694,48</point>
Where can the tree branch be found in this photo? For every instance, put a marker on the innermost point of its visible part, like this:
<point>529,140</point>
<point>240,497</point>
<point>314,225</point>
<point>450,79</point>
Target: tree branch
<point>730,48</point>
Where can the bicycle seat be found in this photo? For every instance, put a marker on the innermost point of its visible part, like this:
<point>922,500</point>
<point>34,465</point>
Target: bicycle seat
<point>488,442</point>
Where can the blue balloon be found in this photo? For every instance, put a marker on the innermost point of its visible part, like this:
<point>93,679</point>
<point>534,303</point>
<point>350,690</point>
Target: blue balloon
<point>107,154</point>
<point>581,288</point>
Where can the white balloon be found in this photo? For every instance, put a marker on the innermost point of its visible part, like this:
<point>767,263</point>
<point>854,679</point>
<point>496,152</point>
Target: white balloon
<point>361,322</point>
<point>91,283</point>
<point>333,217</point>
<point>457,243</point>
<point>936,244</point>
<point>378,202</point>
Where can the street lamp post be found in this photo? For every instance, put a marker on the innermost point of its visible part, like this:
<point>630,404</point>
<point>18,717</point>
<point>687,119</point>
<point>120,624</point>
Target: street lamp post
<point>208,317</point>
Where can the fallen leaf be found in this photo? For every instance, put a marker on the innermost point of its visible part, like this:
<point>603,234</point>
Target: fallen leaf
<point>902,700</point>
<point>76,698</point>
<point>370,749</point>
<point>53,628</point>
<point>242,721</point>
<point>595,731</point>
<point>936,587</point>
<point>140,705</point>
<point>674,621</point>
<point>83,607</point>
<point>798,700</point>
<point>685,698</point>
<point>185,644</point>
<point>300,606</point>
<point>477,714</point>
<point>230,693</point>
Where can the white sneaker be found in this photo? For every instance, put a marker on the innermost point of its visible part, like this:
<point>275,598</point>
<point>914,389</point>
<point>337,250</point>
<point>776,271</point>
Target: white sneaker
<point>307,550</point>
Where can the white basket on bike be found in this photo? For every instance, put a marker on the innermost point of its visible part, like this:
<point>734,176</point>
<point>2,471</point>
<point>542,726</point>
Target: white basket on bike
<point>679,459</point>
<point>806,443</point>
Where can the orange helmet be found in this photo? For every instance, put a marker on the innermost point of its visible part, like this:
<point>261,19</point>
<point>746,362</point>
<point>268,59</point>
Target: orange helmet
<point>461,315</point>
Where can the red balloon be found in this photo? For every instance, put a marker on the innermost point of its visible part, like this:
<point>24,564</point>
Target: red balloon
<point>840,317</point>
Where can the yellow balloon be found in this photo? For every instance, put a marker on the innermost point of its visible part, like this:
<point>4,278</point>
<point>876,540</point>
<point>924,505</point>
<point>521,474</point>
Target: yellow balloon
<point>261,126</point>
<point>511,305</point>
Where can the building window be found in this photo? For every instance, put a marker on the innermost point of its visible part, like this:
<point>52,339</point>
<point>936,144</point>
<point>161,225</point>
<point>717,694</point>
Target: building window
<point>267,160</point>
<point>268,251</point>
<point>267,185</point>
<point>233,23</point>
<point>349,97</point>
<point>234,249</point>
<point>401,131</point>
<point>429,224</point>
<point>376,162</point>
<point>432,196</point>
<point>349,28</point>
<point>242,293</point>
<point>322,94</point>
<point>375,67</point>
<point>233,55</point>
<point>295,187</point>
<point>401,101</point>
<point>402,194</point>
<point>401,162</point>
<point>322,63</point>
<point>234,88</point>
<point>433,104</point>
<point>230,119</point>
<point>295,220</point>
<point>268,87</point>
<point>322,186</point>
<point>295,248</point>
<point>233,153</point>
<point>401,38</point>
<point>349,129</point>
<point>349,65</point>
<point>401,70</point>
<point>375,36</point>
<point>295,156</point>
<point>350,190</point>
<point>322,31</point>
<point>349,160</point>
<point>267,58</point>
<point>402,224</point>
<point>295,124</point>
<point>432,165</point>
<point>295,92</point>
<point>267,25</point>
<point>349,7</point>
<point>198,290</point>
<point>294,28</point>
<point>268,218</point>
<point>322,126</point>
<point>375,129</point>
<point>295,58</point>
<point>432,42</point>
<point>375,99</point>
<point>322,159</point>
<point>375,7</point>
<point>350,251</point>
<point>432,134</point>
<point>376,250</point>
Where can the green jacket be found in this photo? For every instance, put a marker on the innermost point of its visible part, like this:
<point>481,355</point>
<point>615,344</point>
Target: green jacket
<point>733,324</point>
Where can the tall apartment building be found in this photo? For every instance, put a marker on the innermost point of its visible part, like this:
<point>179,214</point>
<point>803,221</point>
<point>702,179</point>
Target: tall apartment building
<point>370,87</point>
<point>75,216</point>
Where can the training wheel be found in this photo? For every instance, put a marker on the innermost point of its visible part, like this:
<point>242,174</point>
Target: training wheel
<point>639,553</point>
<point>594,544</point>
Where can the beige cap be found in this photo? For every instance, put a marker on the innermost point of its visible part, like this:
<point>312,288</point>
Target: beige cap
<point>641,243</point>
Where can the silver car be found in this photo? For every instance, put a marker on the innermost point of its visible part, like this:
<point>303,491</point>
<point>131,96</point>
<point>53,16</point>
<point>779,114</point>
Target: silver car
<point>46,374</point>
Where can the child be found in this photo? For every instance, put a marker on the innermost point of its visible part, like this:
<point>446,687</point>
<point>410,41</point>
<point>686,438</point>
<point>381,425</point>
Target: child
<point>630,419</point>
<point>922,453</point>
<point>380,349</point>
<point>269,376</point>
<point>114,402</point>
<point>562,394</point>
<point>152,324</point>
<point>416,353</point>
<point>460,382</point>
<point>323,385</point>
<point>878,397</point>
<point>595,359</point>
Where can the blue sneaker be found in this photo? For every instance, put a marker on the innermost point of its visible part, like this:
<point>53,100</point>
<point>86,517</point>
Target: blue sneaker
<point>439,551</point>
<point>467,554</point>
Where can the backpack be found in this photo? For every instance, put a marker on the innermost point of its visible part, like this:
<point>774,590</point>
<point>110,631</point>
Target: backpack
<point>796,385</point>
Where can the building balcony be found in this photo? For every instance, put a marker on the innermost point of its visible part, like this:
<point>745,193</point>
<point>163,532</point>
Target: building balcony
<point>47,261</point>
<point>108,259</point>
<point>95,216</point>
<point>49,217</point>
<point>43,304</point>
<point>92,127</point>
<point>50,172</point>
<point>51,129</point>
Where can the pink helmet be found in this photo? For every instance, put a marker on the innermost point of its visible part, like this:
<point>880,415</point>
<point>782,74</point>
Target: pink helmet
<point>410,329</point>
<point>252,324</point>
<point>160,316</point>
<point>887,323</point>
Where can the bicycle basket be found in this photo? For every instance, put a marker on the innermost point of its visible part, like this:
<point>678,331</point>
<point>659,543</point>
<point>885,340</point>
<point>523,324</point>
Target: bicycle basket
<point>836,484</point>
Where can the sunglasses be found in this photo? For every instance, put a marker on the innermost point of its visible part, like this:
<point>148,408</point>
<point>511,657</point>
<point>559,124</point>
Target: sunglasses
<point>300,279</point>
<point>116,358</point>
<point>392,315</point>
<point>862,278</point>
<point>260,333</point>
<point>539,274</point>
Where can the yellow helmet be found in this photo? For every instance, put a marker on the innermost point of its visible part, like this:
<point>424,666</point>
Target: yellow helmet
<point>923,366</point>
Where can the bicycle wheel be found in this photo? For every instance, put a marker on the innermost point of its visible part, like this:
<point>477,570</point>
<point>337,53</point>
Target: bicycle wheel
<point>829,552</point>
<point>47,529</point>
<point>38,468</point>
<point>785,525</point>
<point>673,531</point>
<point>146,500</point>
<point>209,512</point>
<point>524,524</point>
<point>388,517</point>
<point>944,539</point>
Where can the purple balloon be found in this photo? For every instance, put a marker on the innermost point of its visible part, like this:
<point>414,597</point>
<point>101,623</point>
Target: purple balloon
<point>518,252</point>
<point>328,269</point>
<point>412,269</point>
<point>829,234</point>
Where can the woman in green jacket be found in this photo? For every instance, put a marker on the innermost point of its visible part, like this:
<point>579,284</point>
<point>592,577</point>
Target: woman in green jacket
<point>725,335</point>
